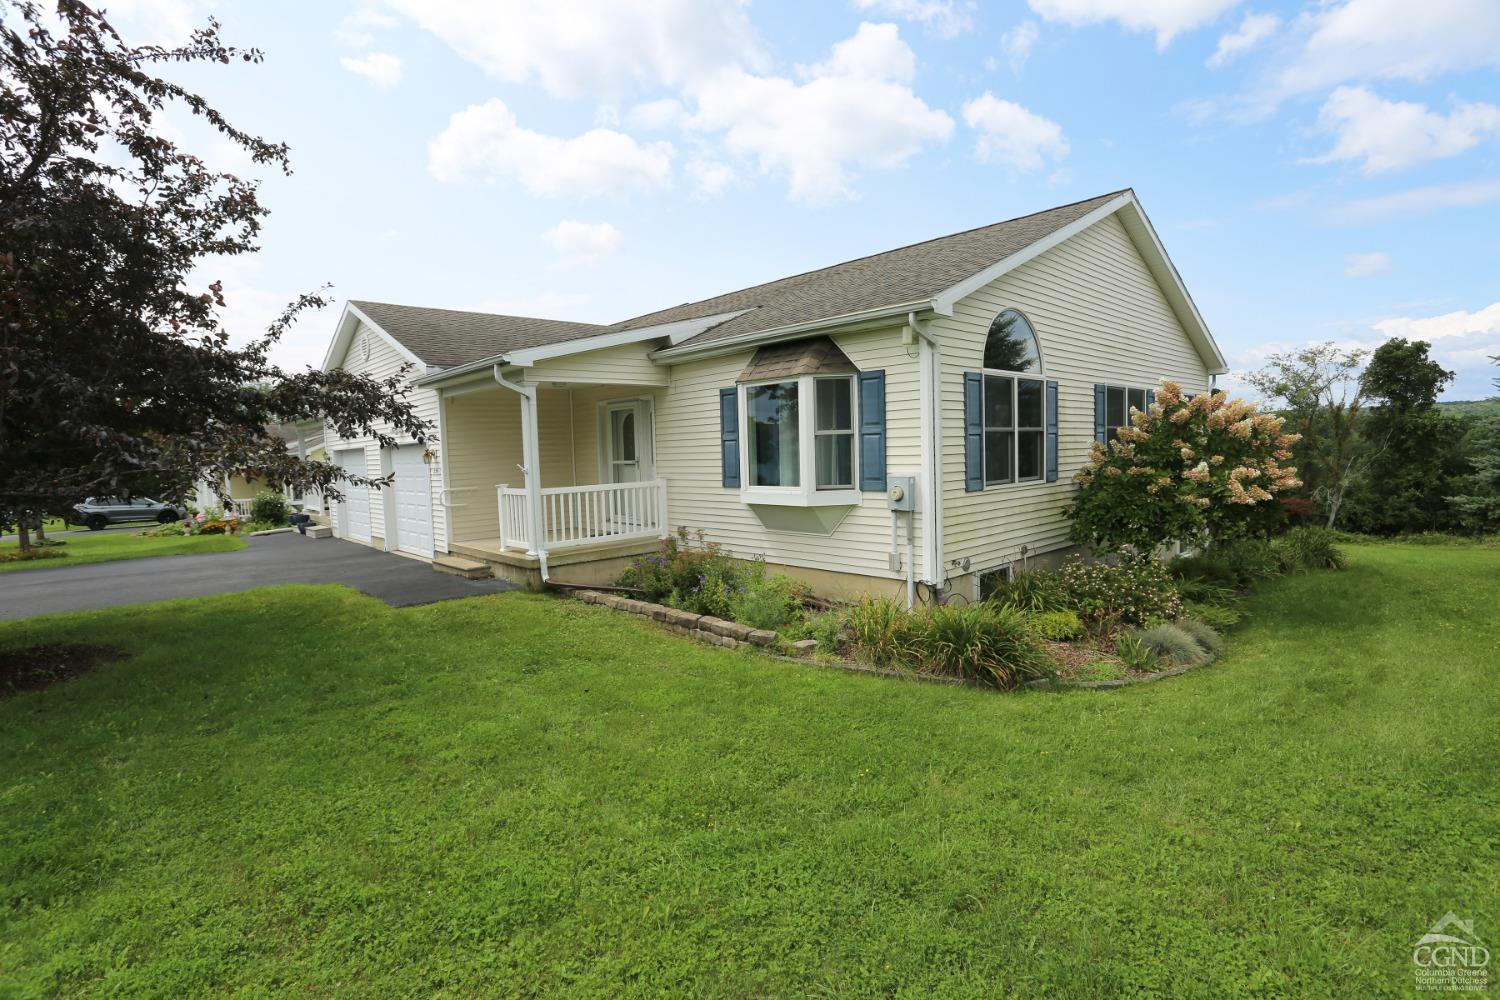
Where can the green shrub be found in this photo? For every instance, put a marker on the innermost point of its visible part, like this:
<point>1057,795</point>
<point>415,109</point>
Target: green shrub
<point>1204,593</point>
<point>1055,626</point>
<point>1168,642</point>
<point>765,600</point>
<point>1205,570</point>
<point>877,628</point>
<point>827,629</point>
<point>172,529</point>
<point>985,643</point>
<point>1251,559</point>
<point>1204,635</point>
<point>1132,591</point>
<point>1221,616</point>
<point>1031,590</point>
<point>1134,653</point>
<point>271,507</point>
<point>1308,548</point>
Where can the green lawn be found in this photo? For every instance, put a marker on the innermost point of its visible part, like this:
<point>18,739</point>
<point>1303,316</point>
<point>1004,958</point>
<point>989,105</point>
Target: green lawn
<point>303,790</point>
<point>107,546</point>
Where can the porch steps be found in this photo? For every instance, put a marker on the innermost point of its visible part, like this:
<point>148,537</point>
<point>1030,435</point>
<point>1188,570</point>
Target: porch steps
<point>469,569</point>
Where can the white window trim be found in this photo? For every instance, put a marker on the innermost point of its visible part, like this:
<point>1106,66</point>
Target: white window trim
<point>1015,426</point>
<point>807,494</point>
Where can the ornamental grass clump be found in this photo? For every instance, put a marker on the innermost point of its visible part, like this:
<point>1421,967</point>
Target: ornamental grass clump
<point>1055,626</point>
<point>982,643</point>
<point>1185,470</point>
<point>877,629</point>
<point>1204,635</point>
<point>1308,548</point>
<point>1168,642</point>
<point>1031,590</point>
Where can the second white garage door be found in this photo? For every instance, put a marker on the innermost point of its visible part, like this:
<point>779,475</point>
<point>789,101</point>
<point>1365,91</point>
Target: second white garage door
<point>412,498</point>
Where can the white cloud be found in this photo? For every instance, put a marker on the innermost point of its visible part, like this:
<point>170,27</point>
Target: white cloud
<point>593,47</point>
<point>1399,39</point>
<point>1166,18</point>
<point>1253,29</point>
<point>817,132</point>
<point>1419,201</point>
<point>485,139</point>
<point>381,69</point>
<point>875,52</point>
<point>582,242</point>
<point>1392,135</point>
<point>1360,265</point>
<point>710,178</point>
<point>656,115</point>
<point>1460,324</point>
<point>1016,44</point>
<point>357,29</point>
<point>1010,134</point>
<point>159,22</point>
<point>943,18</point>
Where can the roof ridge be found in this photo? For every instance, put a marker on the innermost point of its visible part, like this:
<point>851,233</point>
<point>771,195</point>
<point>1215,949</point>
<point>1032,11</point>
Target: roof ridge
<point>623,324</point>
<point>476,312</point>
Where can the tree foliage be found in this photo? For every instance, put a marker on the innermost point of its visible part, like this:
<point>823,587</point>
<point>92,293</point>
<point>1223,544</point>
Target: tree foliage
<point>1194,470</point>
<point>1476,503</point>
<point>116,376</point>
<point>1415,451</point>
<point>1322,393</point>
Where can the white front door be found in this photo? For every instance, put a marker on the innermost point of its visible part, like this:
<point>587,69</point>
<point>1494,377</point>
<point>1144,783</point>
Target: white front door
<point>412,497</point>
<point>626,452</point>
<point>354,512</point>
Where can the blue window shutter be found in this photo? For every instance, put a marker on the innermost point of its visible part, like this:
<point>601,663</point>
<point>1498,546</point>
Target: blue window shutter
<point>872,431</point>
<point>729,435</point>
<point>973,432</point>
<point>1101,432</point>
<point>1051,431</point>
<point>1150,398</point>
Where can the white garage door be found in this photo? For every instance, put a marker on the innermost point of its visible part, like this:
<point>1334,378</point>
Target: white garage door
<point>413,499</point>
<point>354,512</point>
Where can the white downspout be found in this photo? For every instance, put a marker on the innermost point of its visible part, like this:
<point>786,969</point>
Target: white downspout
<point>532,467</point>
<point>930,402</point>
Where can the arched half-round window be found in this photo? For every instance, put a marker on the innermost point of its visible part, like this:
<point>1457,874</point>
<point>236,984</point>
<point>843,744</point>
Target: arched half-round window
<point>1012,346</point>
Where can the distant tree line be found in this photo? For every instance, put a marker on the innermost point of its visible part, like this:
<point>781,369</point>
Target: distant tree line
<point>1378,454</point>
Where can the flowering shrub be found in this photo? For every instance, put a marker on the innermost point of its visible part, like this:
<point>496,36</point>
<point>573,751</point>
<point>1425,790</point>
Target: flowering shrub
<point>1133,591</point>
<point>706,581</point>
<point>1185,470</point>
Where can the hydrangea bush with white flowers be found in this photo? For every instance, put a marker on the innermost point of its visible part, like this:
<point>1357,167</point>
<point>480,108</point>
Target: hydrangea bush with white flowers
<point>1185,470</point>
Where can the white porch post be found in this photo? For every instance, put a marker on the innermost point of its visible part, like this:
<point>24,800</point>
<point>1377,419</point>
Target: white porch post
<point>531,457</point>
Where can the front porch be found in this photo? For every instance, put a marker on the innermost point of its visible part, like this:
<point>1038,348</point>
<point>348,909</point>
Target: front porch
<point>547,480</point>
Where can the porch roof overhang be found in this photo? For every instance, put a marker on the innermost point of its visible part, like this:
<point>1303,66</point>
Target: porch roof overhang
<point>672,333</point>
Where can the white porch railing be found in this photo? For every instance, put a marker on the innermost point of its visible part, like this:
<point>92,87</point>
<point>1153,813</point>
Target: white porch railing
<point>239,507</point>
<point>584,515</point>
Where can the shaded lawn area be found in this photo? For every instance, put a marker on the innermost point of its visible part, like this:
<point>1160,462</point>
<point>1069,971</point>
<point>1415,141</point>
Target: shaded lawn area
<point>302,789</point>
<point>107,546</point>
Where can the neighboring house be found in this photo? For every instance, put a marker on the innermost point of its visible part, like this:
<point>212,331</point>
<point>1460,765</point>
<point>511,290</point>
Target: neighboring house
<point>981,365</point>
<point>305,440</point>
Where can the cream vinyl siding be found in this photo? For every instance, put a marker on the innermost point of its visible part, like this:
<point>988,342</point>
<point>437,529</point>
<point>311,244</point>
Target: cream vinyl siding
<point>687,434</point>
<point>385,361</point>
<point>623,365</point>
<point>1099,316</point>
<point>483,431</point>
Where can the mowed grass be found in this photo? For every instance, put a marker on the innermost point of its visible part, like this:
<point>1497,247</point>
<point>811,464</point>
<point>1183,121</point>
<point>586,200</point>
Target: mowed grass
<point>107,546</point>
<point>303,790</point>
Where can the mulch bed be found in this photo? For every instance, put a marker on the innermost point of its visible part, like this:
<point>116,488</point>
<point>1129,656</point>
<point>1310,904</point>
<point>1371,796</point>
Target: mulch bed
<point>37,667</point>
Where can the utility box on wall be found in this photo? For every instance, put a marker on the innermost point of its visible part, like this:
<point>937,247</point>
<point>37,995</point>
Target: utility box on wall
<point>901,493</point>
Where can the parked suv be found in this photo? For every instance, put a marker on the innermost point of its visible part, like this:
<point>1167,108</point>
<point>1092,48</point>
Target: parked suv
<point>96,512</point>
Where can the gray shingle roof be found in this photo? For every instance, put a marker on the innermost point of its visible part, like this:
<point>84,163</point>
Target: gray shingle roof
<point>907,274</point>
<point>447,337</point>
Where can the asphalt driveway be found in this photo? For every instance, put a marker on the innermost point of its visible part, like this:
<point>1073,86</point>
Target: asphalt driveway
<point>267,560</point>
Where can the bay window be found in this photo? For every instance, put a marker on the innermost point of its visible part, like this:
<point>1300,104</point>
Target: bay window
<point>799,441</point>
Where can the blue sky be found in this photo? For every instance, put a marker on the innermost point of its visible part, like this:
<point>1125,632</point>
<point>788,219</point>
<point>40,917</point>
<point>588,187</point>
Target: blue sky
<point>1327,170</point>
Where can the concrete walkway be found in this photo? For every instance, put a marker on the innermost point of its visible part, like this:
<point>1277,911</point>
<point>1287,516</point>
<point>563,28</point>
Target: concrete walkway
<point>267,560</point>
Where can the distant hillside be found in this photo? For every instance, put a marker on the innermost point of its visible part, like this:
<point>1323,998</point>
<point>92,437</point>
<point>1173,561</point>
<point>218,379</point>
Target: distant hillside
<point>1472,407</point>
